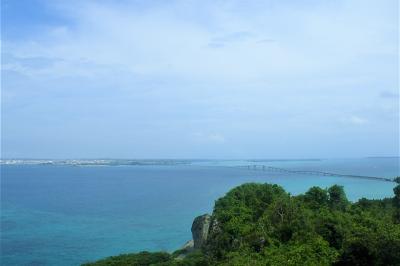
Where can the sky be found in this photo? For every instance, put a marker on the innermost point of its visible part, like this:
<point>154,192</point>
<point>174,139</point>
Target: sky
<point>199,79</point>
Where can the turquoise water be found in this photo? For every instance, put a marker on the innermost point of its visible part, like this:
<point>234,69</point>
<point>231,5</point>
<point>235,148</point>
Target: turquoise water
<point>67,215</point>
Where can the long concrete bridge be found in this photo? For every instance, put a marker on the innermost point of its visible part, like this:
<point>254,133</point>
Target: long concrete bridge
<point>265,168</point>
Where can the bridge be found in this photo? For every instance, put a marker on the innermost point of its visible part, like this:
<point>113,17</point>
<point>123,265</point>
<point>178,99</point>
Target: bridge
<point>265,168</point>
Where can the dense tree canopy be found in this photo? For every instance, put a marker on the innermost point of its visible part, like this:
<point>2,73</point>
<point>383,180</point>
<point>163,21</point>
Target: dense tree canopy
<point>262,224</point>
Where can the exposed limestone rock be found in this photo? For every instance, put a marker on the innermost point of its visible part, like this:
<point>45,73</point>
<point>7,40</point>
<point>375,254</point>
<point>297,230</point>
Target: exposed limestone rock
<point>188,247</point>
<point>200,231</point>
<point>185,250</point>
<point>200,228</point>
<point>214,227</point>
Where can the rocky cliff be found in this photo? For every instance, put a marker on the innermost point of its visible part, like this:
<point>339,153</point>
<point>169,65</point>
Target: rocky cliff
<point>200,228</point>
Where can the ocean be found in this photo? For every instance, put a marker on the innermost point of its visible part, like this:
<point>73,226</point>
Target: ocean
<point>69,213</point>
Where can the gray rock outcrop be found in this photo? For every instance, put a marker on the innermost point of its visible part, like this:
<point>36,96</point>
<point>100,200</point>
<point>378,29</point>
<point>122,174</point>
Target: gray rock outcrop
<point>187,248</point>
<point>188,245</point>
<point>200,229</point>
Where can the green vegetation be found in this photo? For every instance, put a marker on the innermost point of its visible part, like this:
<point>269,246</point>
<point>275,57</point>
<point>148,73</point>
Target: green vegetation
<point>262,224</point>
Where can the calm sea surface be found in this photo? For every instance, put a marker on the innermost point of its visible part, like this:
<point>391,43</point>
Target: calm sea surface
<point>67,215</point>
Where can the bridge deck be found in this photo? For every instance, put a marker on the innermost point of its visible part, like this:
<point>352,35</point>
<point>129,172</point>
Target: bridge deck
<point>302,172</point>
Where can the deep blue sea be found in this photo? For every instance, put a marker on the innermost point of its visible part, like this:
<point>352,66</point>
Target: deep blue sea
<point>68,214</point>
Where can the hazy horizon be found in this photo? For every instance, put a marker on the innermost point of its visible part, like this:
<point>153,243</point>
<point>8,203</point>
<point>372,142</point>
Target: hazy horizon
<point>199,159</point>
<point>207,79</point>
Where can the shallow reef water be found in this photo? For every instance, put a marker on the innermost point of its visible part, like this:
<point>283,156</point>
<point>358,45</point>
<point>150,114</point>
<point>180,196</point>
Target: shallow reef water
<point>67,214</point>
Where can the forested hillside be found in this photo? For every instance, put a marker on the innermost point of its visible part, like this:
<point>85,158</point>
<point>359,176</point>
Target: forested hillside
<point>262,224</point>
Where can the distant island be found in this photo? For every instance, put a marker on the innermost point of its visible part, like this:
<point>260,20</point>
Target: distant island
<point>262,224</point>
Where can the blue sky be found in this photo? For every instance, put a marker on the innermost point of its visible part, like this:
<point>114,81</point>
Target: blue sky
<point>199,79</point>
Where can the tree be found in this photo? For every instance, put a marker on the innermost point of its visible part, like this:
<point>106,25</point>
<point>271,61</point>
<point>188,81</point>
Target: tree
<point>396,203</point>
<point>316,197</point>
<point>337,197</point>
<point>396,200</point>
<point>313,251</point>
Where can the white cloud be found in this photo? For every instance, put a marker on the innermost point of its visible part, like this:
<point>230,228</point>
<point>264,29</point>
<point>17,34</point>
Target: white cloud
<point>259,68</point>
<point>166,41</point>
<point>355,120</point>
<point>210,137</point>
